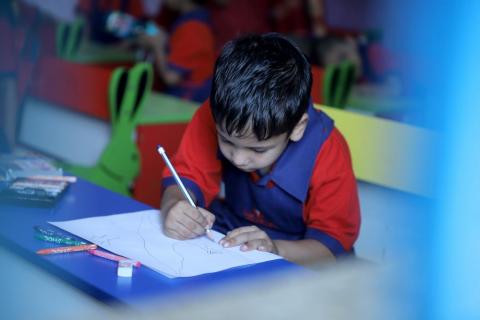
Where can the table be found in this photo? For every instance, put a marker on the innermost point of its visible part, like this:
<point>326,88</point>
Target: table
<point>97,277</point>
<point>392,224</point>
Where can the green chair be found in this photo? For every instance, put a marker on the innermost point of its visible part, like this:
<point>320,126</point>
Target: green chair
<point>119,163</point>
<point>330,84</point>
<point>71,45</point>
<point>345,83</point>
<point>68,38</point>
<point>338,83</point>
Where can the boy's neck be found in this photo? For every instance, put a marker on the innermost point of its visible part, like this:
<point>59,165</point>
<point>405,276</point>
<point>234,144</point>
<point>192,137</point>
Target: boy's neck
<point>264,171</point>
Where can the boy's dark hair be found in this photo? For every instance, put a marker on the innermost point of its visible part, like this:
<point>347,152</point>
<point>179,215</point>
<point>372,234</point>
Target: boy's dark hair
<point>261,84</point>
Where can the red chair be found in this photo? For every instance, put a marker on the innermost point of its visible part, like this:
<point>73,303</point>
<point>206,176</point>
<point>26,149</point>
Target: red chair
<point>318,75</point>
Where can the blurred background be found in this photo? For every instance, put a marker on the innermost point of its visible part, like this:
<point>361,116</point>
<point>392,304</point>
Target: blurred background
<point>94,86</point>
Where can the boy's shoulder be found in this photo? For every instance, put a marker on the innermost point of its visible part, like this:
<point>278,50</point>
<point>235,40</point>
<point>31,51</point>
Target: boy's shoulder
<point>192,19</point>
<point>326,127</point>
<point>202,123</point>
<point>333,159</point>
<point>324,141</point>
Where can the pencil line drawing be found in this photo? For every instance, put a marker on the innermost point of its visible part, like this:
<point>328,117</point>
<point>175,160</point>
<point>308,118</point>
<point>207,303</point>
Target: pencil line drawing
<point>102,240</point>
<point>147,251</point>
<point>182,259</point>
<point>139,236</point>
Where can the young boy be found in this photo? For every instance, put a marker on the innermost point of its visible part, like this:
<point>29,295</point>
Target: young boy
<point>289,184</point>
<point>184,59</point>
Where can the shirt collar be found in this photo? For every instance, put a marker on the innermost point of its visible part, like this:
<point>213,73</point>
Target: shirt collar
<point>294,168</point>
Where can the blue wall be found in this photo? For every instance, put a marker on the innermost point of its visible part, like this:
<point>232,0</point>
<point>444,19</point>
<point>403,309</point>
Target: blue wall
<point>445,37</point>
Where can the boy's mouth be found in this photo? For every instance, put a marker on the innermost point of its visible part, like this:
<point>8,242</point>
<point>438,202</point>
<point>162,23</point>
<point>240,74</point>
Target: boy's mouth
<point>245,169</point>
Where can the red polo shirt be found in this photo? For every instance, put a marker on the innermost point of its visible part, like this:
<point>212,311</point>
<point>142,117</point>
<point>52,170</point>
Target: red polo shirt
<point>310,193</point>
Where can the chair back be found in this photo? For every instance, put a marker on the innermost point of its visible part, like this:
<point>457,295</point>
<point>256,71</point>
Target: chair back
<point>85,117</point>
<point>346,79</point>
<point>337,83</point>
<point>128,92</point>
<point>331,84</point>
<point>68,38</point>
<point>119,163</point>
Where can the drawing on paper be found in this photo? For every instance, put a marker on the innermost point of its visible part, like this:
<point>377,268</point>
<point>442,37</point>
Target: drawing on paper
<point>139,236</point>
<point>102,240</point>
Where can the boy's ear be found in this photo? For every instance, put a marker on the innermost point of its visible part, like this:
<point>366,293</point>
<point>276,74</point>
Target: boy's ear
<point>299,129</point>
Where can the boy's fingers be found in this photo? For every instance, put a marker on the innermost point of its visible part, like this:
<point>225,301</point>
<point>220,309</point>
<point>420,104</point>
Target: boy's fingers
<point>176,232</point>
<point>185,232</point>
<point>240,238</point>
<point>193,227</point>
<point>209,217</point>
<point>252,245</point>
<point>236,232</point>
<point>191,218</point>
<point>258,244</point>
<point>185,222</point>
<point>195,215</point>
<point>171,233</point>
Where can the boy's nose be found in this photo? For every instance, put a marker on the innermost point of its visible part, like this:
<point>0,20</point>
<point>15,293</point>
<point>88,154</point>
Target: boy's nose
<point>239,158</point>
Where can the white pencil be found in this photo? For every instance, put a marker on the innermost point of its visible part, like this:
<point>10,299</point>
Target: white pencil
<point>187,196</point>
<point>55,178</point>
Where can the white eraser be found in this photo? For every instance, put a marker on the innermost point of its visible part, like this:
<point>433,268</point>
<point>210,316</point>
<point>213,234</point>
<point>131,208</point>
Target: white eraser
<point>125,268</point>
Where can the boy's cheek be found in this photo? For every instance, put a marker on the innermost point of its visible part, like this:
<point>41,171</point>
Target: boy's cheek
<point>224,151</point>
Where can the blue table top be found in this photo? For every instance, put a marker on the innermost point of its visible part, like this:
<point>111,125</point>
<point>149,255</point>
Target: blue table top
<point>98,276</point>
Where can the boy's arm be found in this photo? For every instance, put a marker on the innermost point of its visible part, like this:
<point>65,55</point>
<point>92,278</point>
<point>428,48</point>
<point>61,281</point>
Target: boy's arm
<point>197,165</point>
<point>196,159</point>
<point>331,212</point>
<point>170,196</point>
<point>181,220</point>
<point>190,45</point>
<point>307,251</point>
<point>158,45</point>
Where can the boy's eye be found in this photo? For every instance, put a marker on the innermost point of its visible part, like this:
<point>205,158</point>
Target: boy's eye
<point>256,150</point>
<point>224,140</point>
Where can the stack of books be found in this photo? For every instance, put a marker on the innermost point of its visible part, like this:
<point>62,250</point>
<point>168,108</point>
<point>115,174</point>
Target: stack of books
<point>30,180</point>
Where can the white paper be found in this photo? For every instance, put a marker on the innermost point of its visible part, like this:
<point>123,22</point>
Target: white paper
<point>139,236</point>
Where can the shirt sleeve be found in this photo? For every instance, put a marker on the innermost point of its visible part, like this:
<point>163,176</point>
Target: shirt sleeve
<point>196,160</point>
<point>191,47</point>
<point>332,210</point>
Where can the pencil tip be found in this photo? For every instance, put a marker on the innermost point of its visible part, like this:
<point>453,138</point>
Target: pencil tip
<point>208,234</point>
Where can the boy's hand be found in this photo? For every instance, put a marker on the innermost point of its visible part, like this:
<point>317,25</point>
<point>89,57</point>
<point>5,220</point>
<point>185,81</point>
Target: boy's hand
<point>158,40</point>
<point>250,238</point>
<point>183,221</point>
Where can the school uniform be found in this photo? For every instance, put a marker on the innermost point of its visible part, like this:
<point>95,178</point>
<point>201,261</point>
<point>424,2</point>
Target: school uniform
<point>191,52</point>
<point>310,193</point>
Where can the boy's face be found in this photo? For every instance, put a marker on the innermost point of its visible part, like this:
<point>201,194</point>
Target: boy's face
<point>247,153</point>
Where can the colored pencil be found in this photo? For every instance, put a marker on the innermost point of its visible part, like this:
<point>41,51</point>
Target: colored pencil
<point>113,257</point>
<point>83,247</point>
<point>55,178</point>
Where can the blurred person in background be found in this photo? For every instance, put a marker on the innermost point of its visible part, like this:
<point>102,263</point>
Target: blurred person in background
<point>184,57</point>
